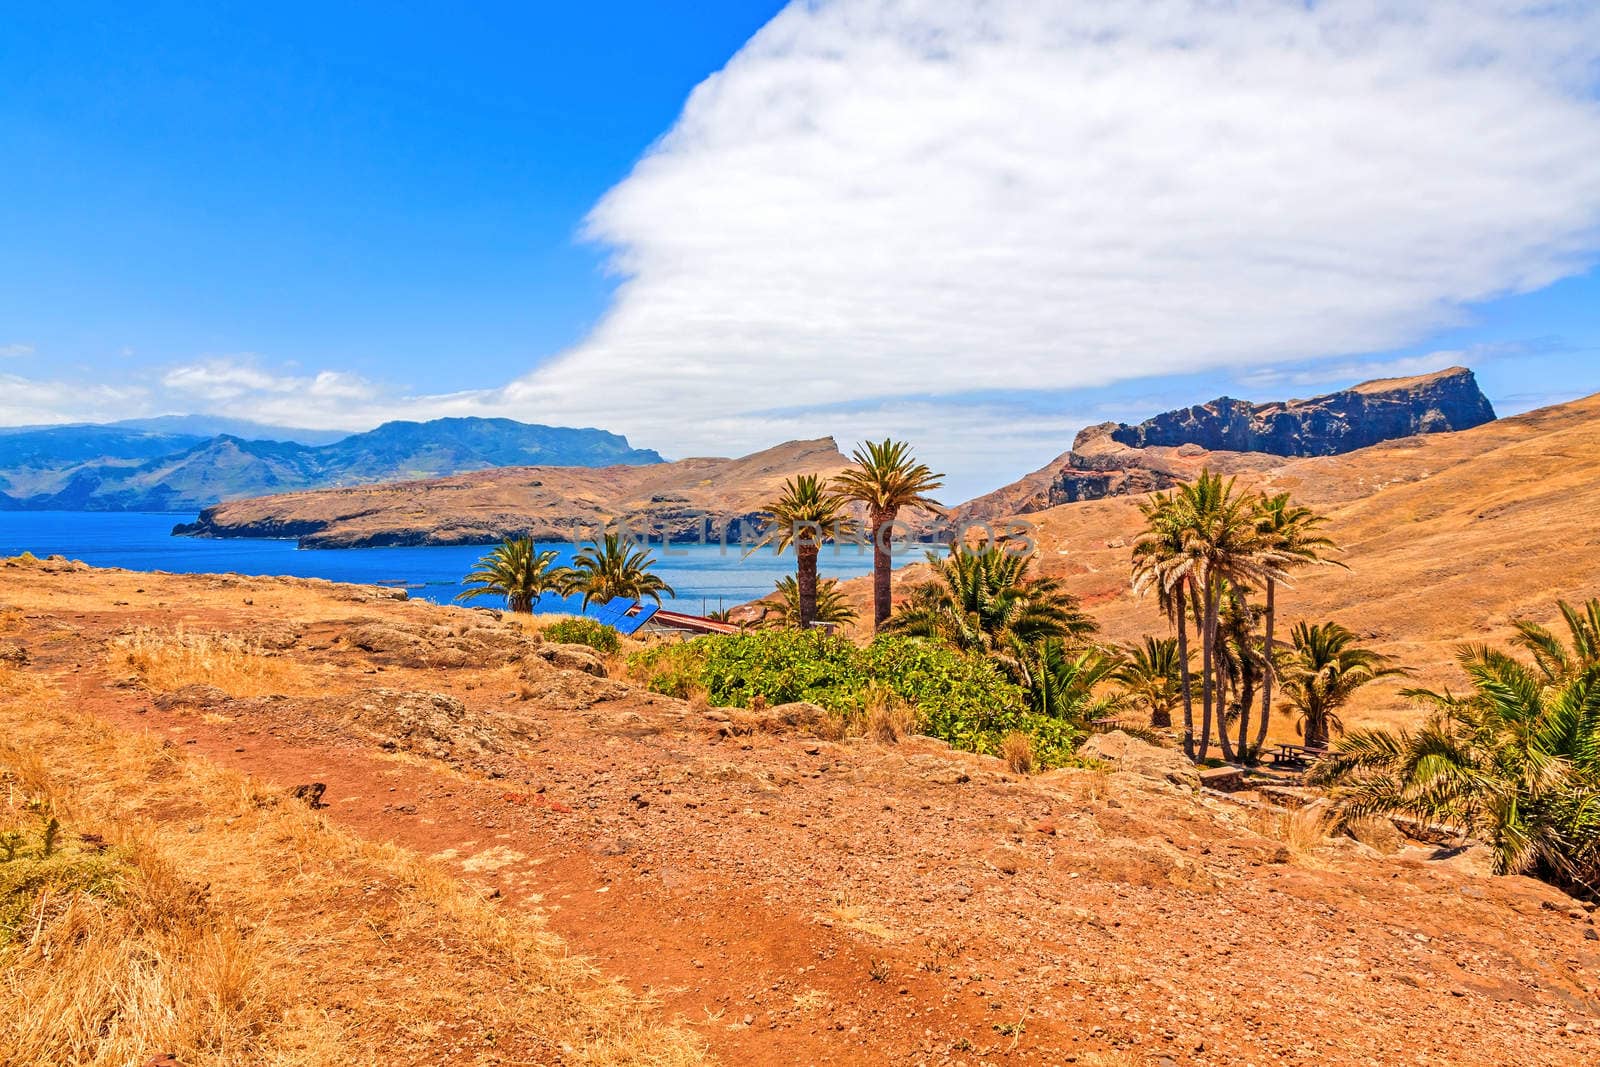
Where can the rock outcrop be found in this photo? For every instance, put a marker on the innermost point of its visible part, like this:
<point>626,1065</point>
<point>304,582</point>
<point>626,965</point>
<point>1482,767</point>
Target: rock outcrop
<point>1323,426</point>
<point>1115,459</point>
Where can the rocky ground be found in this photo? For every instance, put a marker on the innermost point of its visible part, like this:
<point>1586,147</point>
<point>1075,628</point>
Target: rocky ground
<point>796,899</point>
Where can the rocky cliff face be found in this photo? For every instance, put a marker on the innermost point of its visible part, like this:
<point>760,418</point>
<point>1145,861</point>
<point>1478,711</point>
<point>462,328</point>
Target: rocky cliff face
<point>1325,426</point>
<point>1114,459</point>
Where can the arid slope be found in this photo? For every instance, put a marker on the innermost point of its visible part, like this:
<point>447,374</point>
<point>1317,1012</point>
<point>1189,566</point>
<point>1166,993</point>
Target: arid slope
<point>1448,538</point>
<point>788,898</point>
<point>688,499</point>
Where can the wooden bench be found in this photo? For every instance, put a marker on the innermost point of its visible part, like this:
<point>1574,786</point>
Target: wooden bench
<point>1293,755</point>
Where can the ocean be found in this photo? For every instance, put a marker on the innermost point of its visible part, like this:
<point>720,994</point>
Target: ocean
<point>706,577</point>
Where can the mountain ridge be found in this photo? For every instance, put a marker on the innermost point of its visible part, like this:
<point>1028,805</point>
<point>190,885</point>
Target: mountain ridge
<point>120,468</point>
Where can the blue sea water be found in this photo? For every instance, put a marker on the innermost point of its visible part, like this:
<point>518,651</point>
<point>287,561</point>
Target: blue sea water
<point>705,577</point>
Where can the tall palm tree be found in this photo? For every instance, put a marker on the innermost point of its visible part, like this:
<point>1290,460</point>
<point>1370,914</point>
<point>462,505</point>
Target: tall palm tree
<point>829,604</point>
<point>1163,561</point>
<point>614,566</point>
<point>1151,677</point>
<point>985,600</point>
<point>1515,764</point>
<point>1203,540</point>
<point>1554,659</point>
<point>1322,671</point>
<point>886,477</point>
<point>804,515</point>
<point>519,572</point>
<point>1290,531</point>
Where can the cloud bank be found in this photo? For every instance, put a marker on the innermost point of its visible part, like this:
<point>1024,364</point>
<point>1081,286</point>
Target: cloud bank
<point>881,211</point>
<point>878,199</point>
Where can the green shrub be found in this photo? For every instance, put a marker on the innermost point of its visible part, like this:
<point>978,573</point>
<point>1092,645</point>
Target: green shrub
<point>597,635</point>
<point>961,699</point>
<point>37,864</point>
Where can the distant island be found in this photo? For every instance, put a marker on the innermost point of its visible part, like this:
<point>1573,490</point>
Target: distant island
<point>174,464</point>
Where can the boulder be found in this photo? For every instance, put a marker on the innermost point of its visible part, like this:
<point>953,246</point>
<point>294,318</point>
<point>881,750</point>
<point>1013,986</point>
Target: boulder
<point>567,657</point>
<point>1128,753</point>
<point>1377,833</point>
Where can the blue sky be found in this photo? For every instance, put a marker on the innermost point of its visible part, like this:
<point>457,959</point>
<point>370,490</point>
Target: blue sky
<point>380,188</point>
<point>716,226</point>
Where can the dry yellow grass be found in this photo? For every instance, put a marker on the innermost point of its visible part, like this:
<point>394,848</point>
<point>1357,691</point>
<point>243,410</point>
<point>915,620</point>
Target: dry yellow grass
<point>1302,829</point>
<point>1017,750</point>
<point>226,924</point>
<point>166,660</point>
<point>888,718</point>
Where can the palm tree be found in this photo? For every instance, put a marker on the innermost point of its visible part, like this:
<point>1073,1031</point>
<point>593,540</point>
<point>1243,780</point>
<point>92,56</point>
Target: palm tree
<point>1232,554</point>
<point>886,477</point>
<point>805,514</point>
<point>517,571</point>
<point>1322,671</point>
<point>1151,677</point>
<point>1200,542</point>
<point>1555,660</point>
<point>1290,531</point>
<point>1163,561</point>
<point>1515,764</point>
<point>985,600</point>
<point>1062,682</point>
<point>613,567</point>
<point>831,605</point>
<point>1241,662</point>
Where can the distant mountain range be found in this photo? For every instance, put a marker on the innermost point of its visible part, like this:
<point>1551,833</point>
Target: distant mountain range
<point>181,463</point>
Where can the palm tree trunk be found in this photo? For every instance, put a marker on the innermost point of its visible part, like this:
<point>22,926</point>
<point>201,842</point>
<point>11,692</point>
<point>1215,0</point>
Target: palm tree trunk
<point>806,579</point>
<point>882,568</point>
<point>1188,694</point>
<point>1247,697</point>
<point>1208,639</point>
<point>1270,668</point>
<point>1224,688</point>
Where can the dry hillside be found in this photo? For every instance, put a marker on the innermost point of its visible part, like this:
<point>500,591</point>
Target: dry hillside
<point>684,499</point>
<point>1447,537</point>
<point>744,887</point>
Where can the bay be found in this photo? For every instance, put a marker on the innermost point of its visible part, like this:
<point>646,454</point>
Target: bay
<point>706,577</point>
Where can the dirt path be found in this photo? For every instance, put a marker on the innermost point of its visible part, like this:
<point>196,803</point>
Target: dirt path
<point>802,901</point>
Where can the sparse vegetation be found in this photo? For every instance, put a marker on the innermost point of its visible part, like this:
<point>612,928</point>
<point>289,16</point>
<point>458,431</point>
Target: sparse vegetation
<point>165,660</point>
<point>1016,748</point>
<point>183,909</point>
<point>1515,763</point>
<point>579,630</point>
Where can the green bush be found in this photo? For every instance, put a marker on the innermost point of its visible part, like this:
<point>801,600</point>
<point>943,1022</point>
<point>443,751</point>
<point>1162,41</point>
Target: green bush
<point>959,698</point>
<point>597,635</point>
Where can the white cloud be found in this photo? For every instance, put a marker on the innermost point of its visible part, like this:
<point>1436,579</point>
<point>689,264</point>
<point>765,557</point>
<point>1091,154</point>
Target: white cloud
<point>882,207</point>
<point>15,351</point>
<point>232,377</point>
<point>25,401</point>
<point>884,198</point>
